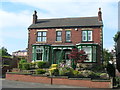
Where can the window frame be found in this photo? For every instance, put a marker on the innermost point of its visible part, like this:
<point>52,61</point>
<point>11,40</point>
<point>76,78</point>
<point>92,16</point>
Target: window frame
<point>39,50</point>
<point>93,53</point>
<point>41,36</point>
<point>58,36</point>
<point>87,35</point>
<point>66,36</point>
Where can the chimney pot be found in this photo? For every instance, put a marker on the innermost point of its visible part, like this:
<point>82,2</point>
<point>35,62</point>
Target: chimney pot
<point>99,15</point>
<point>35,17</point>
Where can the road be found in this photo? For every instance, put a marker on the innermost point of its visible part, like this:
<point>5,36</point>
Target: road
<point>19,84</point>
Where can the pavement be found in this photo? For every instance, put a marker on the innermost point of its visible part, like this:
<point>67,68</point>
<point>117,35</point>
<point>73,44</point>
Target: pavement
<point>19,84</point>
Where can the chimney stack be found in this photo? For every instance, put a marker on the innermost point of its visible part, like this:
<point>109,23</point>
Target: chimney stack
<point>35,17</point>
<point>99,15</point>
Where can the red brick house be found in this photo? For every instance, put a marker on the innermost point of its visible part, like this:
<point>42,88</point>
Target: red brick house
<point>52,39</point>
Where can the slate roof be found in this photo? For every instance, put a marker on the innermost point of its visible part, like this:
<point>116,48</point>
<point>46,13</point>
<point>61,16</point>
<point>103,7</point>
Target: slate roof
<point>66,22</point>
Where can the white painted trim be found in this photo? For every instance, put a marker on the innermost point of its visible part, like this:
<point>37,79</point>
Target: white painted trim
<point>68,29</point>
<point>59,29</point>
<point>87,29</point>
<point>69,48</point>
<point>42,30</point>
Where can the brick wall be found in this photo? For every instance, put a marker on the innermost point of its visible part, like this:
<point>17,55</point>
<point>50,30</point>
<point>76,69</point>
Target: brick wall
<point>61,81</point>
<point>76,37</point>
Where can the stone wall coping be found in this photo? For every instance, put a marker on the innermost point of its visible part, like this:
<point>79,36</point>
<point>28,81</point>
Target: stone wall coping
<point>19,73</point>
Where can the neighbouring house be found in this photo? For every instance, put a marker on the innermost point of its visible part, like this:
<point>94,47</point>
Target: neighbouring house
<point>118,41</point>
<point>53,39</point>
<point>20,53</point>
<point>118,52</point>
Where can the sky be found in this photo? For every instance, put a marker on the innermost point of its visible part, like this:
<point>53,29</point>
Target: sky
<point>16,17</point>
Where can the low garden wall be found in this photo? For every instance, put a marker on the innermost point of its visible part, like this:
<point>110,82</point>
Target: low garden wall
<point>59,80</point>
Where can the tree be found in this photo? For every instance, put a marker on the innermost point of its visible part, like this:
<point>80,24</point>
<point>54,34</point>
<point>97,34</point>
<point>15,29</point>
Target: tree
<point>77,56</point>
<point>3,52</point>
<point>107,56</point>
<point>116,36</point>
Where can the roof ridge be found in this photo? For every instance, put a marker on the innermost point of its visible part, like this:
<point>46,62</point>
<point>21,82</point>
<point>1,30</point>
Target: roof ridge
<point>68,18</point>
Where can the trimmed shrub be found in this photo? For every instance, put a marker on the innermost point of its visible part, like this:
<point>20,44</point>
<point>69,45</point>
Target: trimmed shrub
<point>22,61</point>
<point>98,68</point>
<point>104,76</point>
<point>65,71</point>
<point>47,65</point>
<point>54,70</point>
<point>87,73</point>
<point>75,73</point>
<point>40,71</point>
<point>19,65</point>
<point>25,66</point>
<point>62,71</point>
<point>42,64</point>
<point>32,65</point>
<point>54,65</point>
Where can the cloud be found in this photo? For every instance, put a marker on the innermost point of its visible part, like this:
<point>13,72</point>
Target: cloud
<point>76,8</point>
<point>14,25</point>
<point>62,1</point>
<point>10,19</point>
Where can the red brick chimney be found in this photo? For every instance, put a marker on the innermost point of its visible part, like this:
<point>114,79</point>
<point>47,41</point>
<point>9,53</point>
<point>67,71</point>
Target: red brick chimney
<point>35,17</point>
<point>99,15</point>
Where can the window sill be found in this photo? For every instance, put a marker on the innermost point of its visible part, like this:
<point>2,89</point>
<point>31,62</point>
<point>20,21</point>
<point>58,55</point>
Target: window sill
<point>87,41</point>
<point>68,41</point>
<point>41,42</point>
<point>58,41</point>
<point>89,62</point>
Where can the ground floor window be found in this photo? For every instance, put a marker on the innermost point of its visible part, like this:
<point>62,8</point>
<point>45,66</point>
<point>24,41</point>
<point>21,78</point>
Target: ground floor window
<point>39,53</point>
<point>91,52</point>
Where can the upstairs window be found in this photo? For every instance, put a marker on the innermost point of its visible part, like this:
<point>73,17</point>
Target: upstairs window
<point>41,36</point>
<point>86,35</point>
<point>58,35</point>
<point>68,36</point>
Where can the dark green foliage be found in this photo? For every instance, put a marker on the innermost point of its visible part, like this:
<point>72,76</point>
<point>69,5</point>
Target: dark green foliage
<point>55,72</point>
<point>107,56</point>
<point>111,70</point>
<point>117,82</point>
<point>23,61</point>
<point>98,68</point>
<point>76,73</point>
<point>42,64</point>
<point>40,71</point>
<point>19,65</point>
<point>115,38</point>
<point>65,71</point>
<point>93,75</point>
<point>47,65</point>
<point>3,52</point>
<point>25,66</point>
<point>32,65</point>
